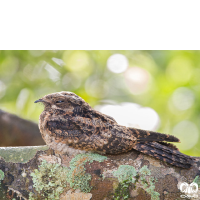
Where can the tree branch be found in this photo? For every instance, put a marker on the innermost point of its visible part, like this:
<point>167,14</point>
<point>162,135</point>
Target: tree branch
<point>15,131</point>
<point>133,175</point>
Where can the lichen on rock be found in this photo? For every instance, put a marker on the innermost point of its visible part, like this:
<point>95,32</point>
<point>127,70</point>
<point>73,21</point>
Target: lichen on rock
<point>197,180</point>
<point>49,180</point>
<point>1,175</point>
<point>77,177</point>
<point>127,176</point>
<point>20,154</point>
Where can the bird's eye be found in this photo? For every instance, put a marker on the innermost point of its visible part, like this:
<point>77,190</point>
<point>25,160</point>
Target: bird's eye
<point>59,101</point>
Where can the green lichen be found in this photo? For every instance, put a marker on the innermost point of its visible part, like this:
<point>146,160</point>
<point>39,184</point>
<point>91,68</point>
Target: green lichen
<point>151,190</point>
<point>1,175</point>
<point>20,154</point>
<point>49,180</point>
<point>77,177</point>
<point>122,191</point>
<point>144,170</point>
<point>148,182</point>
<point>127,175</point>
<point>197,180</point>
<point>31,196</point>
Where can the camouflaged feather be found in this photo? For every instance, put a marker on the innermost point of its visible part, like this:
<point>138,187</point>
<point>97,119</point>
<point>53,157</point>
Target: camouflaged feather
<point>69,122</point>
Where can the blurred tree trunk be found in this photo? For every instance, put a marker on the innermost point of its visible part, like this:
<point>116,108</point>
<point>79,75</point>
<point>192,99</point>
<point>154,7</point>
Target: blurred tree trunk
<point>15,131</point>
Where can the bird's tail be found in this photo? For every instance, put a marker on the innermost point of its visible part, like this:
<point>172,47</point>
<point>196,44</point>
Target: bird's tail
<point>165,152</point>
<point>151,136</point>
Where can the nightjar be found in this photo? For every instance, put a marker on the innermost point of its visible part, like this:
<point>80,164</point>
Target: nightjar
<point>69,122</point>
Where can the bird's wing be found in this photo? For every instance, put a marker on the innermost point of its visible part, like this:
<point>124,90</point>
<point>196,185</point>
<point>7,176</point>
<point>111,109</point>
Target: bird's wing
<point>91,113</point>
<point>104,117</point>
<point>77,126</point>
<point>151,136</point>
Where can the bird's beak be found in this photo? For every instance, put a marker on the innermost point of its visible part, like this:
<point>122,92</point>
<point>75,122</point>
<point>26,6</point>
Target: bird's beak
<point>39,100</point>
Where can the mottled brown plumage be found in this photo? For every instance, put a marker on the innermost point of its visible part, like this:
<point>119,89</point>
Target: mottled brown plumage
<point>69,122</point>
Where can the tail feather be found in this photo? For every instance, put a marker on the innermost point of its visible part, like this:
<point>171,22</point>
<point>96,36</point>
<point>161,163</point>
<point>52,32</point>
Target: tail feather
<point>151,136</point>
<point>165,153</point>
<point>170,145</point>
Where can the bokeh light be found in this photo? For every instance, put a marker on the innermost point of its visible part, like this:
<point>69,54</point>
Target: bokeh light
<point>96,87</point>
<point>22,99</point>
<point>71,80</point>
<point>2,89</point>
<point>132,115</point>
<point>148,119</point>
<point>77,61</point>
<point>180,70</point>
<point>54,74</point>
<point>183,98</point>
<point>117,63</point>
<point>137,79</point>
<point>37,53</point>
<point>184,129</point>
<point>58,61</point>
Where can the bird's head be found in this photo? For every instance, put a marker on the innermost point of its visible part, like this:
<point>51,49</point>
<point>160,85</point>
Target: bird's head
<point>62,101</point>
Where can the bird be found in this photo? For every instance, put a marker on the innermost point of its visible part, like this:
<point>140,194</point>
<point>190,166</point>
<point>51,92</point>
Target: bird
<point>69,122</point>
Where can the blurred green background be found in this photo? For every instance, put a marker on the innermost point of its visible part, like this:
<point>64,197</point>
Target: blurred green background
<point>155,90</point>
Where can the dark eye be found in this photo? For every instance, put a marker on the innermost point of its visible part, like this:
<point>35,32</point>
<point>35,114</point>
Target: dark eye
<point>59,101</point>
